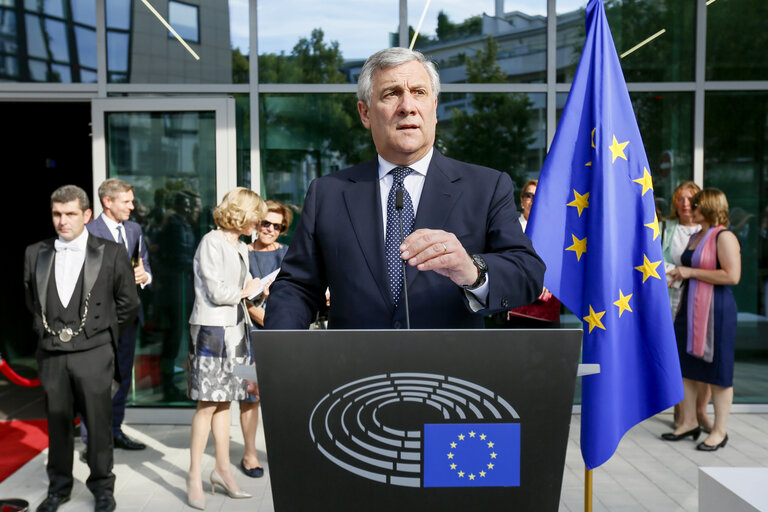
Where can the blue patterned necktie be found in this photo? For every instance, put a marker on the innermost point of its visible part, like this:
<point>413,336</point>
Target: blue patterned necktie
<point>392,243</point>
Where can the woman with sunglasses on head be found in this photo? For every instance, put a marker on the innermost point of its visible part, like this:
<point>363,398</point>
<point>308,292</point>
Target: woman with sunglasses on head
<point>265,256</point>
<point>706,320</point>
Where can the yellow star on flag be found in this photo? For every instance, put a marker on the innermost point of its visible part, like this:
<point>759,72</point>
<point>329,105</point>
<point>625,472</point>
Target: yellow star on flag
<point>654,226</point>
<point>461,437</point>
<point>461,474</point>
<point>646,181</point>
<point>453,445</point>
<point>648,268</point>
<point>579,247</point>
<point>471,476</point>
<point>490,465</point>
<point>453,466</point>
<point>580,201</point>
<point>493,455</point>
<point>472,434</point>
<point>482,473</point>
<point>482,437</point>
<point>490,444</point>
<point>623,303</point>
<point>617,149</point>
<point>450,455</point>
<point>593,319</point>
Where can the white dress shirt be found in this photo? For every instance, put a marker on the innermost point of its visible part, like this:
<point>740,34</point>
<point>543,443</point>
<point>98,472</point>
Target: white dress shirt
<point>112,226</point>
<point>414,184</point>
<point>69,260</point>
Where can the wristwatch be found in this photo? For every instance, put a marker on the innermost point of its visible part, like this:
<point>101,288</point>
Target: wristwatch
<point>482,270</point>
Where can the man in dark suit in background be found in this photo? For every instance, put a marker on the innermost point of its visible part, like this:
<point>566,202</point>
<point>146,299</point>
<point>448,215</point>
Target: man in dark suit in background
<point>81,292</point>
<point>117,201</point>
<point>465,250</point>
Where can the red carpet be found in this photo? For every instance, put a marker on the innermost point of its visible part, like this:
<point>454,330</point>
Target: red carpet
<point>20,440</point>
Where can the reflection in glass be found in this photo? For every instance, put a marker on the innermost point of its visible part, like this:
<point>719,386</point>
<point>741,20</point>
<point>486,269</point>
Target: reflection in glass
<point>504,131</point>
<point>86,47</point>
<point>736,161</point>
<point>84,11</point>
<point>117,51</point>
<point>737,40</point>
<point>50,7</point>
<point>170,158</point>
<point>184,19</point>
<point>118,14</point>
<point>654,38</point>
<point>46,38</point>
<point>304,136</point>
<point>347,40</point>
<point>460,32</point>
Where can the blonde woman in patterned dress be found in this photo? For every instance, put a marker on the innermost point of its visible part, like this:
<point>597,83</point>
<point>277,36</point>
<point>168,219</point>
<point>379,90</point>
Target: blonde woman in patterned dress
<point>218,333</point>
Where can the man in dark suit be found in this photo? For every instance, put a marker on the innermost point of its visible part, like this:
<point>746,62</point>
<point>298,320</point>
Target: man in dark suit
<point>81,292</point>
<point>466,254</point>
<point>117,201</point>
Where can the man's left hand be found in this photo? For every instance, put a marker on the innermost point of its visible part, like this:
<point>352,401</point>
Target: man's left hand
<point>434,249</point>
<point>139,273</point>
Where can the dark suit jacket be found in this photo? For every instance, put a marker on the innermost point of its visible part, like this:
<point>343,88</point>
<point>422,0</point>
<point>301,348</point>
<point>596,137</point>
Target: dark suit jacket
<point>339,244</point>
<point>137,245</point>
<point>108,277</point>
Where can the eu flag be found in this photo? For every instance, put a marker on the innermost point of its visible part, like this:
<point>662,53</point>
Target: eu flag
<point>594,224</point>
<point>471,455</point>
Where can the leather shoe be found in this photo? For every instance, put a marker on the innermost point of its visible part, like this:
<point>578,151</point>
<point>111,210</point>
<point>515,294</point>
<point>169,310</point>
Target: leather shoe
<point>52,502</point>
<point>105,503</point>
<point>703,447</point>
<point>671,436</point>
<point>126,443</point>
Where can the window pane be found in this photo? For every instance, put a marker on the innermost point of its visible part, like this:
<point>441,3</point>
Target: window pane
<point>322,43</point>
<point>654,39</point>
<point>184,20</point>
<point>117,51</point>
<point>86,46</point>
<point>8,32</point>
<point>9,66</point>
<point>304,136</point>
<point>118,14</point>
<point>453,35</point>
<point>503,131</point>
<point>84,11</point>
<point>737,38</point>
<point>736,161</point>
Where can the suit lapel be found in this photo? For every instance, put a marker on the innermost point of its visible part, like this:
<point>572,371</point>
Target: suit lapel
<point>43,272</point>
<point>438,197</point>
<point>94,256</point>
<point>363,203</point>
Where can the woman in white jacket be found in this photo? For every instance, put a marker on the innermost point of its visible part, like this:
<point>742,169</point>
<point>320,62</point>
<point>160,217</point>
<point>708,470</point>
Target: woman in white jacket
<point>218,333</point>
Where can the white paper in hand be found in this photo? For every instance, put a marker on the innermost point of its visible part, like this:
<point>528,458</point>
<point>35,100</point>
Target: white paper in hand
<point>264,282</point>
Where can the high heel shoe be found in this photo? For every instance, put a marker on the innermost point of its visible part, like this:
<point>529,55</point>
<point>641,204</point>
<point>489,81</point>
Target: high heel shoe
<point>217,480</point>
<point>671,436</point>
<point>704,447</point>
<point>198,504</point>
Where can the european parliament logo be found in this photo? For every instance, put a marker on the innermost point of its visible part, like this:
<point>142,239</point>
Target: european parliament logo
<point>475,441</point>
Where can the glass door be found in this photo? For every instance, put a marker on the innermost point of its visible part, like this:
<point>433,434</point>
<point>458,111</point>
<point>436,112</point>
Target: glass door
<point>179,154</point>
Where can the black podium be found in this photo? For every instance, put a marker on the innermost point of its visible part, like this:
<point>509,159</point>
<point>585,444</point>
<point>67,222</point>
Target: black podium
<point>417,420</point>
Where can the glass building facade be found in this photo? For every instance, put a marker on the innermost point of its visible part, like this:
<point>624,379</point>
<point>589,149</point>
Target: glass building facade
<point>697,72</point>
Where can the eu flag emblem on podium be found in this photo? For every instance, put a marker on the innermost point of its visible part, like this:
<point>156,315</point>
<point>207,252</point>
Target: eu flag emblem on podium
<point>594,224</point>
<point>471,455</point>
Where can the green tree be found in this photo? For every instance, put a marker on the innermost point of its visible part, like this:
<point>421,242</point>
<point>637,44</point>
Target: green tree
<point>495,130</point>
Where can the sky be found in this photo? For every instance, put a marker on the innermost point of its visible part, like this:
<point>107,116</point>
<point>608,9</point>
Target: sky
<point>360,26</point>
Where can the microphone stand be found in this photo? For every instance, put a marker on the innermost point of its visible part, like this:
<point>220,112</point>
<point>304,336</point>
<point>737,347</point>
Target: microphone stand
<point>399,208</point>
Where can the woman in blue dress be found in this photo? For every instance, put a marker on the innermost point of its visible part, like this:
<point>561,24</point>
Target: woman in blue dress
<point>265,256</point>
<point>706,321</point>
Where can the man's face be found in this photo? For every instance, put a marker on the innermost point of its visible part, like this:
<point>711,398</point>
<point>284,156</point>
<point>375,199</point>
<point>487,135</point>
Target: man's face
<point>402,114</point>
<point>69,220</point>
<point>119,208</point>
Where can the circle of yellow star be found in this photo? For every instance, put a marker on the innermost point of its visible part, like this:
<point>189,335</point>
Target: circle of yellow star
<point>482,437</point>
<point>580,201</point>
<point>648,268</point>
<point>482,473</point>
<point>579,246</point>
<point>646,181</point>
<point>617,149</point>
<point>493,455</point>
<point>471,476</point>
<point>453,445</point>
<point>450,455</point>
<point>453,466</point>
<point>472,434</point>
<point>623,303</point>
<point>593,319</point>
<point>461,474</point>
<point>490,465</point>
<point>490,444</point>
<point>461,437</point>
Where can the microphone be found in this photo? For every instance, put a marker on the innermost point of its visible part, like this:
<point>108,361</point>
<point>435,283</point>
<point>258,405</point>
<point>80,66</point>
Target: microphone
<point>399,207</point>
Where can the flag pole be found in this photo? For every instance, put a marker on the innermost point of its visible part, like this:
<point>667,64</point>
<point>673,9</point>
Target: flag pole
<point>587,490</point>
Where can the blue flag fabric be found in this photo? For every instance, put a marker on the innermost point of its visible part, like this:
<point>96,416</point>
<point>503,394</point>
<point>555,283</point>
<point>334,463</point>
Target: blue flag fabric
<point>471,455</point>
<point>594,224</point>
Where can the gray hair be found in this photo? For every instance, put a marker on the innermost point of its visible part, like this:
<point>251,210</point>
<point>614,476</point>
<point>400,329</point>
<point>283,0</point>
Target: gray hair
<point>112,187</point>
<point>389,58</point>
<point>68,193</point>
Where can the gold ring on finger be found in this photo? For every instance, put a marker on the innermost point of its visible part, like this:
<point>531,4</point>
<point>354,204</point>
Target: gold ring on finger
<point>445,247</point>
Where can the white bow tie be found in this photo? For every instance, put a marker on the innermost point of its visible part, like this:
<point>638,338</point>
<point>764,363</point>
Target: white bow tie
<point>66,246</point>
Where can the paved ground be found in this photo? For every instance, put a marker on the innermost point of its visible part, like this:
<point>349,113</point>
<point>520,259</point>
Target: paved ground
<point>645,474</point>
